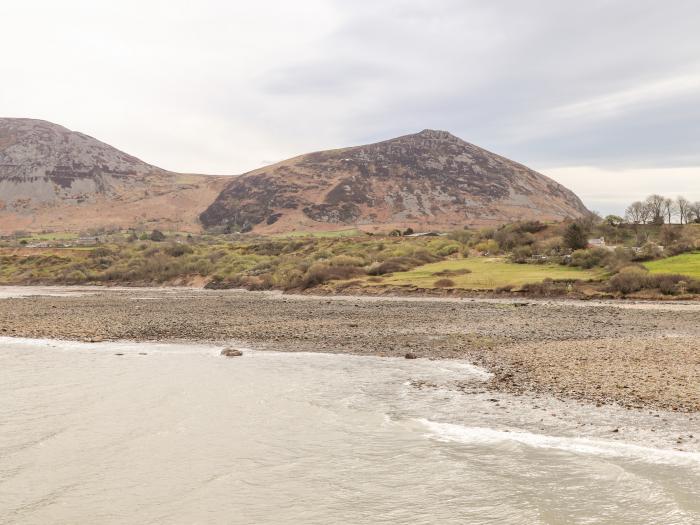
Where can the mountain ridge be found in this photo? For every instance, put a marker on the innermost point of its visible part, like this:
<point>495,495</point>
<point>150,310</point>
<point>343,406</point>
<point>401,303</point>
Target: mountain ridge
<point>55,178</point>
<point>430,179</point>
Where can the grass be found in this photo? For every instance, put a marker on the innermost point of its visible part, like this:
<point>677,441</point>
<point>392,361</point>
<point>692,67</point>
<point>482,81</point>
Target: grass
<point>51,236</point>
<point>486,273</point>
<point>684,264</point>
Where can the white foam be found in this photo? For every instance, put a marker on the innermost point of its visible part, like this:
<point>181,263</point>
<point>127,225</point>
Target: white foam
<point>578,445</point>
<point>9,292</point>
<point>120,346</point>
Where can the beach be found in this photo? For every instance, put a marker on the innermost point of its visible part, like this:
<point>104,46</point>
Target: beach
<point>635,355</point>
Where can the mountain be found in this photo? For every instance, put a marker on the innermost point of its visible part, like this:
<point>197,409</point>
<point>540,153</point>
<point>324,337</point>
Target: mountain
<point>52,178</point>
<point>429,180</point>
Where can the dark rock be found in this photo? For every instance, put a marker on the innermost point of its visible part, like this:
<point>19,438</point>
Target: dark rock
<point>411,355</point>
<point>231,352</point>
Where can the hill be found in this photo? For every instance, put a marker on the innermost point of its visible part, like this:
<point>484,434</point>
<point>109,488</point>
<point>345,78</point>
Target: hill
<point>429,180</point>
<point>52,178</point>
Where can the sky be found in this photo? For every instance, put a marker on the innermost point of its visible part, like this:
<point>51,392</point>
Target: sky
<point>602,95</point>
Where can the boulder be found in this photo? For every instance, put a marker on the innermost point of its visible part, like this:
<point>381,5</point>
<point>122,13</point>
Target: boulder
<point>411,355</point>
<point>231,352</point>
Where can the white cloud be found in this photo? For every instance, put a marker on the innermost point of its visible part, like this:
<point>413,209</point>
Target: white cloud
<point>609,190</point>
<point>222,87</point>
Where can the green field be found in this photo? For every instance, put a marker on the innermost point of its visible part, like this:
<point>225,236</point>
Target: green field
<point>52,236</point>
<point>486,273</point>
<point>684,264</point>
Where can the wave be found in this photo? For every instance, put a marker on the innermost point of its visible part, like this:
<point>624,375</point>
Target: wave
<point>449,432</point>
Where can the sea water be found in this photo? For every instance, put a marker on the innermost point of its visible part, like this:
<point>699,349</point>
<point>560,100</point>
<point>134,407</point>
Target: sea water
<point>154,433</point>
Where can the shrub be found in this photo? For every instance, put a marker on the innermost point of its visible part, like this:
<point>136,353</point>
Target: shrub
<point>648,252</point>
<point>521,254</point>
<point>178,250</point>
<point>346,260</point>
<point>509,237</point>
<point>321,273</point>
<point>448,249</point>
<point>76,276</point>
<point>461,236</point>
<point>444,283</point>
<point>157,236</point>
<point>100,251</point>
<point>489,246</point>
<point>590,258</point>
<point>531,226</point>
<point>394,264</point>
<point>547,288</point>
<point>668,284</point>
<point>628,280</point>
<point>452,273</point>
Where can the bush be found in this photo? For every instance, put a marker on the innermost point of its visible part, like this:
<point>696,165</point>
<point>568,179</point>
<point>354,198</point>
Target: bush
<point>668,284</point>
<point>444,283</point>
<point>590,258</point>
<point>391,265</point>
<point>461,236</point>
<point>452,273</point>
<point>521,254</point>
<point>448,249</point>
<point>490,246</point>
<point>100,251</point>
<point>321,273</point>
<point>178,250</point>
<point>346,260</point>
<point>157,236</point>
<point>628,280</point>
<point>547,288</point>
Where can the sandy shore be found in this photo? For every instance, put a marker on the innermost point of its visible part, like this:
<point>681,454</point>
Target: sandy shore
<point>645,355</point>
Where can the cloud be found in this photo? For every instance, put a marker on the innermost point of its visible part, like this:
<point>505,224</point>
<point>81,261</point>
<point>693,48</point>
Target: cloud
<point>220,86</point>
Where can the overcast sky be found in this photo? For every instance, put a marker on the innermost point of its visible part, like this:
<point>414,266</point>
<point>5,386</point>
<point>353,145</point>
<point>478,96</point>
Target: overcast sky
<point>602,95</point>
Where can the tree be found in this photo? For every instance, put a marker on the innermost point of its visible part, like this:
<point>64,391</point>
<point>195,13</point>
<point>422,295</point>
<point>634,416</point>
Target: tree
<point>575,236</point>
<point>683,206</point>
<point>614,220</point>
<point>669,208</point>
<point>655,205</point>
<point>695,212</point>
<point>637,213</point>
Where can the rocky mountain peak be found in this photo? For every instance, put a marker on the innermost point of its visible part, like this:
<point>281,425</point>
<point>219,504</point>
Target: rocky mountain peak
<point>430,179</point>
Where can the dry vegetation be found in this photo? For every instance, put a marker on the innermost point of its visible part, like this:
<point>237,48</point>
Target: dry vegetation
<point>527,257</point>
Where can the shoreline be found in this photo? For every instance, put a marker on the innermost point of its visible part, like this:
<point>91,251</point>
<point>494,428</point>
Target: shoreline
<point>633,355</point>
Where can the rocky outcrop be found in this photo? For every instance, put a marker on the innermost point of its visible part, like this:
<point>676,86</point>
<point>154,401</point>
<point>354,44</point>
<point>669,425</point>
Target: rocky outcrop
<point>428,180</point>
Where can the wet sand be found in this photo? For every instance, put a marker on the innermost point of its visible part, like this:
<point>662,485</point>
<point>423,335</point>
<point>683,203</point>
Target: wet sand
<point>641,355</point>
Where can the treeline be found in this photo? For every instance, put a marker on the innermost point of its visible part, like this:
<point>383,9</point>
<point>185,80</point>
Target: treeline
<point>657,209</point>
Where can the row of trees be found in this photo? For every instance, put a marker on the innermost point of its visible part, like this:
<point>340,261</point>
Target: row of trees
<point>657,209</point>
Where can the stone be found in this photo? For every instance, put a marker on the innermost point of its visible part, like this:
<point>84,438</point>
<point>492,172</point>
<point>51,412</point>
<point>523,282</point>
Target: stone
<point>231,352</point>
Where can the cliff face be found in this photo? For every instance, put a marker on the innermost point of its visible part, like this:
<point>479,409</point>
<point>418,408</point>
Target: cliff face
<point>431,179</point>
<point>54,178</point>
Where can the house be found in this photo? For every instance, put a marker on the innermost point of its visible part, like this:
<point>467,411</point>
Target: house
<point>424,234</point>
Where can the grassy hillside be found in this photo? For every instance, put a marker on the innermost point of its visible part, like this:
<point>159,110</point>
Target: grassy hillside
<point>484,273</point>
<point>684,264</point>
